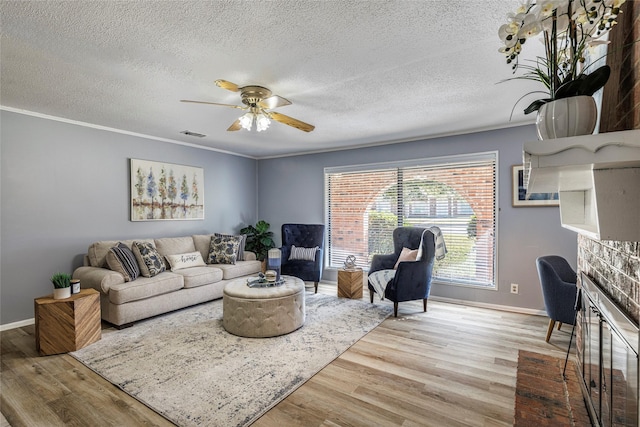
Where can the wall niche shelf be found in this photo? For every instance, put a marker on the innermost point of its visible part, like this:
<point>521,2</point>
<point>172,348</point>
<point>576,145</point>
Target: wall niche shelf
<point>597,178</point>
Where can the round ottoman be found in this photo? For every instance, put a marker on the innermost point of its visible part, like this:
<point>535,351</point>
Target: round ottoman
<point>263,312</point>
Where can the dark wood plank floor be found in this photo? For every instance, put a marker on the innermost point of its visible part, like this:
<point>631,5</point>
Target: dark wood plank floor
<point>452,366</point>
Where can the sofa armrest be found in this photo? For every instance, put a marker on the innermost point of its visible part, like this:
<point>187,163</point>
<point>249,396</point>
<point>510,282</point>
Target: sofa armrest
<point>97,278</point>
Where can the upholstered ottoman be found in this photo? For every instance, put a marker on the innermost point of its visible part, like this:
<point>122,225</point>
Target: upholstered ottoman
<point>263,312</point>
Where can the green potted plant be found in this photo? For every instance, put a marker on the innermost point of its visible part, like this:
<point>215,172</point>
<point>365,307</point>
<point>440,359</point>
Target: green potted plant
<point>259,239</point>
<point>61,285</point>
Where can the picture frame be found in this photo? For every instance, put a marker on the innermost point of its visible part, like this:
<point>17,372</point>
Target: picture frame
<point>519,196</point>
<point>161,191</point>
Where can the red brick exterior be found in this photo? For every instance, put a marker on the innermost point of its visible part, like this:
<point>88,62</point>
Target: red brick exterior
<point>351,201</point>
<point>621,96</point>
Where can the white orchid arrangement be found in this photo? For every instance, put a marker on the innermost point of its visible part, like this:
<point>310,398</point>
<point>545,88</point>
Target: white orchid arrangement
<point>569,28</point>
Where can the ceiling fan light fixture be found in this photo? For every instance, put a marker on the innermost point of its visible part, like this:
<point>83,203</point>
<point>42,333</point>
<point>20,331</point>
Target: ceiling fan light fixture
<point>262,122</point>
<point>246,121</point>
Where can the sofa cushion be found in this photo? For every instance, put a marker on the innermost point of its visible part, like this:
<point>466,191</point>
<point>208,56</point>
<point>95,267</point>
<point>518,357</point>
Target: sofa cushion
<point>203,243</point>
<point>305,254</point>
<point>145,287</point>
<point>240,268</point>
<point>97,252</point>
<point>223,249</point>
<point>180,261</point>
<point>241,245</point>
<point>149,259</point>
<point>121,259</point>
<point>175,245</point>
<point>198,276</point>
<point>406,255</point>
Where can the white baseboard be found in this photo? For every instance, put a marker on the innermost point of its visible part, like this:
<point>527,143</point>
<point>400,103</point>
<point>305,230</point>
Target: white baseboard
<point>510,308</point>
<point>499,307</point>
<point>19,324</point>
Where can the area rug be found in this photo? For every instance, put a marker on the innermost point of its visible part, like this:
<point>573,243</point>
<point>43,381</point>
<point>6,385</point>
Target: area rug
<point>544,397</point>
<point>186,367</point>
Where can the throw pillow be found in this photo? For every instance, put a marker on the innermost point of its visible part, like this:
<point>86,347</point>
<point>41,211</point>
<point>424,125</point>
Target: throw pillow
<point>121,259</point>
<point>406,255</point>
<point>191,259</point>
<point>241,246</point>
<point>306,254</point>
<point>223,249</point>
<point>149,259</point>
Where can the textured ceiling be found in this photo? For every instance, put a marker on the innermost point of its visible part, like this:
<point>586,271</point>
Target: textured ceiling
<point>365,72</point>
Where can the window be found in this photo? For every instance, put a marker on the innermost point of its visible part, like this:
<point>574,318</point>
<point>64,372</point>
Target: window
<point>364,204</point>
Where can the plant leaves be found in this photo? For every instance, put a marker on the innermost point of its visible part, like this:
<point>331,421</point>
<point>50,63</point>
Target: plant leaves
<point>570,88</point>
<point>594,81</point>
<point>535,105</point>
<point>262,226</point>
<point>584,84</point>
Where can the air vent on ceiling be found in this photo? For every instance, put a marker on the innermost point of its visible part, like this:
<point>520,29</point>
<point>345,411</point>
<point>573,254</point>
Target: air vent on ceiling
<point>189,133</point>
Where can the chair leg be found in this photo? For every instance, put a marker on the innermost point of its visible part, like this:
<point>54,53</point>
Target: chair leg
<point>395,309</point>
<point>550,329</point>
<point>424,304</point>
<point>559,325</point>
<point>371,295</point>
<point>315,284</point>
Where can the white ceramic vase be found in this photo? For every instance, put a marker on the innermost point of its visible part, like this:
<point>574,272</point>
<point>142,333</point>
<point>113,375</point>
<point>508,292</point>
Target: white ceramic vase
<point>565,117</point>
<point>61,293</point>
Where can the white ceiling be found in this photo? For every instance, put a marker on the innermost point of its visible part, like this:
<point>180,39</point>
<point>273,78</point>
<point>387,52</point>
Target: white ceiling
<point>362,72</point>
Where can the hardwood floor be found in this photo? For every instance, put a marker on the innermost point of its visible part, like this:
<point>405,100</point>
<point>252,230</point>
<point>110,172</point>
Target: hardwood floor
<point>452,366</point>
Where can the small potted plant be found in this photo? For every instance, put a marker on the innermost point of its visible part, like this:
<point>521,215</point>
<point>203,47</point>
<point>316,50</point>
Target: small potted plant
<point>61,285</point>
<point>259,239</point>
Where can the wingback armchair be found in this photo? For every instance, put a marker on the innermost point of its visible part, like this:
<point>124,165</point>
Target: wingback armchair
<point>412,279</point>
<point>558,281</point>
<point>307,236</point>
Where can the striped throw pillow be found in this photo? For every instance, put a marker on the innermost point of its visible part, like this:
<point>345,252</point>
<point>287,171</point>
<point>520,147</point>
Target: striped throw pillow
<point>121,259</point>
<point>306,254</point>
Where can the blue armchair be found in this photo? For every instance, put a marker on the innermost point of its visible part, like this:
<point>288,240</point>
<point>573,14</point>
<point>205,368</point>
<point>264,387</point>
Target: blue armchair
<point>303,236</point>
<point>558,281</point>
<point>412,279</point>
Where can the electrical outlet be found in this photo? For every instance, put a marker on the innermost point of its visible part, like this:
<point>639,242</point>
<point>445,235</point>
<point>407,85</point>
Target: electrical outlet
<point>514,288</point>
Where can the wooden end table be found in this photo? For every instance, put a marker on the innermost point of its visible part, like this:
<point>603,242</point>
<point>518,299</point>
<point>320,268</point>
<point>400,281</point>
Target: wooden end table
<point>350,283</point>
<point>64,325</point>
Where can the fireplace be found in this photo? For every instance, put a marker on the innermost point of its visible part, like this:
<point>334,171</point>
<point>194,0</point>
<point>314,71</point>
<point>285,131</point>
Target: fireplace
<point>607,353</point>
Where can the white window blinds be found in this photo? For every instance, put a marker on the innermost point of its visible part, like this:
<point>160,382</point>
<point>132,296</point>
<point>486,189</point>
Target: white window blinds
<point>364,204</point>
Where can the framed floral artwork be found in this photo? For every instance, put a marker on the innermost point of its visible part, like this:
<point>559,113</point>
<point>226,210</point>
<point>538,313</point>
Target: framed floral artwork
<point>520,198</point>
<point>166,191</point>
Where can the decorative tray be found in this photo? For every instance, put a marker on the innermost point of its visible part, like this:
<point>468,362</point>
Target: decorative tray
<point>262,282</point>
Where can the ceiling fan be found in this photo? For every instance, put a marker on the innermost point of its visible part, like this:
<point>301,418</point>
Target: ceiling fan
<point>259,101</point>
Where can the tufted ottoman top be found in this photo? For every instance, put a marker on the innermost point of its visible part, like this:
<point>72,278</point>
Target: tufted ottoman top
<point>239,289</point>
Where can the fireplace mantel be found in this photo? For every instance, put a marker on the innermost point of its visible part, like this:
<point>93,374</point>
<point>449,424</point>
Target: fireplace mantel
<point>597,178</point>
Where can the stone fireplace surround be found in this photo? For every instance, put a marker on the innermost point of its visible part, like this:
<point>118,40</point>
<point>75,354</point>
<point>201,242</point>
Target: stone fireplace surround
<point>614,267</point>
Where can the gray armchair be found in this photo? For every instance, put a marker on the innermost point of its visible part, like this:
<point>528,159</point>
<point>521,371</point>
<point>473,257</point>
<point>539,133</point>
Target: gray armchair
<point>558,281</point>
<point>412,279</point>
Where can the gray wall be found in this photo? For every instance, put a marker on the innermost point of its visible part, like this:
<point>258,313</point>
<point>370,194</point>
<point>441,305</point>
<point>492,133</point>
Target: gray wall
<point>65,186</point>
<point>291,189</point>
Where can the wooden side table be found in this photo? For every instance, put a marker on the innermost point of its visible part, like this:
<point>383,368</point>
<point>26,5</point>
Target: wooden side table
<point>64,325</point>
<point>350,283</point>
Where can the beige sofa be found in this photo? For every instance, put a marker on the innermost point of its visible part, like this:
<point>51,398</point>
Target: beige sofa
<point>123,303</point>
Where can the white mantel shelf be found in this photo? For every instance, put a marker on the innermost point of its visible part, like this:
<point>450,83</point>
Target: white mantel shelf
<point>597,178</point>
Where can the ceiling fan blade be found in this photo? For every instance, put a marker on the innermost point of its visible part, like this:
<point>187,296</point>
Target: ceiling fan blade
<point>235,126</point>
<point>273,102</point>
<point>290,121</point>
<point>227,85</point>
<point>213,103</point>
